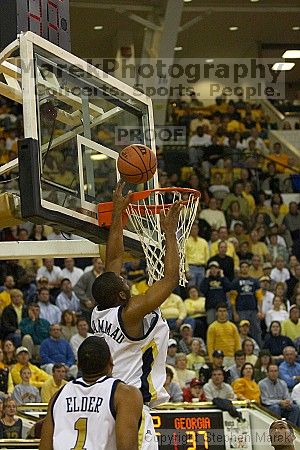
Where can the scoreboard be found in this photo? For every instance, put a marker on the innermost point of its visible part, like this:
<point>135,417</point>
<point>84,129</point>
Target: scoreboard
<point>49,19</point>
<point>204,429</point>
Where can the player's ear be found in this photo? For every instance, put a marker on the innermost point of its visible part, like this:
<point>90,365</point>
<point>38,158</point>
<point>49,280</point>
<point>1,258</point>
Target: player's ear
<point>123,295</point>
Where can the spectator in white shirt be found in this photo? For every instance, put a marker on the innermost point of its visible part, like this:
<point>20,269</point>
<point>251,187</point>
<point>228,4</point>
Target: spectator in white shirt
<point>171,353</point>
<point>67,299</point>
<point>200,139</point>
<point>52,272</point>
<point>70,271</point>
<point>217,388</point>
<point>213,215</point>
<point>78,338</point>
<point>278,312</point>
<point>280,273</point>
<point>259,143</point>
<point>48,311</point>
<point>184,375</point>
<point>267,301</point>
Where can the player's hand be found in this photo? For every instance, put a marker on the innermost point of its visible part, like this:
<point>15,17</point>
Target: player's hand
<point>285,403</point>
<point>169,221</point>
<point>120,202</point>
<point>236,317</point>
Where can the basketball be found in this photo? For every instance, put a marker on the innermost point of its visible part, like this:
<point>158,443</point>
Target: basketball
<point>136,163</point>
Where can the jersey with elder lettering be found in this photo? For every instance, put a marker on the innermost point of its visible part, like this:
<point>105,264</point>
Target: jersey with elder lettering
<point>84,415</point>
<point>139,362</point>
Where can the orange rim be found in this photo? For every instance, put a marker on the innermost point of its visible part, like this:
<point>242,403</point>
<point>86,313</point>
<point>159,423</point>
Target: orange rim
<point>154,209</point>
<point>105,209</point>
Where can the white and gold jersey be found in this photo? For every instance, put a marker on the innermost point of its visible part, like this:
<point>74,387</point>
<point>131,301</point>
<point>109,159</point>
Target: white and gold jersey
<point>139,362</point>
<point>84,415</point>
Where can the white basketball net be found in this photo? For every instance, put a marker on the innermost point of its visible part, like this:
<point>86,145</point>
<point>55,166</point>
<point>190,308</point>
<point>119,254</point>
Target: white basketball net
<point>144,217</point>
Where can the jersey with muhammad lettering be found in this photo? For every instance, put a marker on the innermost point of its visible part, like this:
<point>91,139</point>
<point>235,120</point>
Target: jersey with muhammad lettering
<point>84,415</point>
<point>139,362</point>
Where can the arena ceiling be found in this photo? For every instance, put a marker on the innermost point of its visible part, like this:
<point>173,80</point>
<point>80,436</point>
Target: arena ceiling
<point>265,28</point>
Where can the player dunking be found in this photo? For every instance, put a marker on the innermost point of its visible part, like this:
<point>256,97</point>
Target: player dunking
<point>95,411</point>
<point>132,325</point>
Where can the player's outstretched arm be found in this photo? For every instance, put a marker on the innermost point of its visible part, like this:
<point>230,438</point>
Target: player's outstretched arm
<point>115,245</point>
<point>141,305</point>
<point>129,406</point>
<point>46,442</point>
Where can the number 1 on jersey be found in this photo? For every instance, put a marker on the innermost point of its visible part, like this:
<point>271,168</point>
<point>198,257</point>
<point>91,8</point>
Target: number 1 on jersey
<point>81,426</point>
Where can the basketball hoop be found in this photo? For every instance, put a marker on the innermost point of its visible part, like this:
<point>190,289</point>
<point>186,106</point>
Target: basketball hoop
<point>143,212</point>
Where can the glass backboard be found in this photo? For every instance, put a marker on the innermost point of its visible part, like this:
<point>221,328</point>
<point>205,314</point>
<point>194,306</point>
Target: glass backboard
<point>77,119</point>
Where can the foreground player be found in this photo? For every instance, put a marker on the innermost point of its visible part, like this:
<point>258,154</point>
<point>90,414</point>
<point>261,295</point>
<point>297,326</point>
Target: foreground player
<point>132,326</point>
<point>94,412</point>
<point>282,435</point>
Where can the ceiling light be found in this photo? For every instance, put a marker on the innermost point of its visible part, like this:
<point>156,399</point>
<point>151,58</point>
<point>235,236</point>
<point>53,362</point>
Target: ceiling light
<point>296,28</point>
<point>178,49</point>
<point>254,1</point>
<point>291,54</point>
<point>210,60</point>
<point>98,27</point>
<point>233,28</point>
<point>99,157</point>
<point>283,66</point>
<point>187,1</point>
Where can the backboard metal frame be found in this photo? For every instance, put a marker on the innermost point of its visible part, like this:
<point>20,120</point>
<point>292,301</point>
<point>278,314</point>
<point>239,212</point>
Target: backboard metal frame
<point>20,77</point>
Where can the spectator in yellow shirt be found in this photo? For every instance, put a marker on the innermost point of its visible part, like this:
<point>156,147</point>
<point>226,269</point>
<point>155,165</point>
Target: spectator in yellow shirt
<point>235,126</point>
<point>200,121</point>
<point>197,255</point>
<point>223,335</point>
<point>291,327</point>
<point>5,298</point>
<point>236,195</point>
<point>245,387</point>
<point>257,247</point>
<point>195,359</point>
<point>174,311</point>
<point>214,248</point>
<point>247,194</point>
<point>256,268</point>
<point>54,383</point>
<point>195,308</point>
<point>279,157</point>
<point>38,376</point>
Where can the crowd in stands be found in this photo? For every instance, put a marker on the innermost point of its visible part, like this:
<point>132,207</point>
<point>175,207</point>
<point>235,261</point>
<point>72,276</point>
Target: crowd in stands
<point>234,330</point>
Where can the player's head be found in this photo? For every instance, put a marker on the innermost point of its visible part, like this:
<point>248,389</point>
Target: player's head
<point>281,434</point>
<point>94,358</point>
<point>109,290</point>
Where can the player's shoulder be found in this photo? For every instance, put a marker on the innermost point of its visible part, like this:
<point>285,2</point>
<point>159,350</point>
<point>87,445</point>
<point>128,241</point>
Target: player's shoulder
<point>124,391</point>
